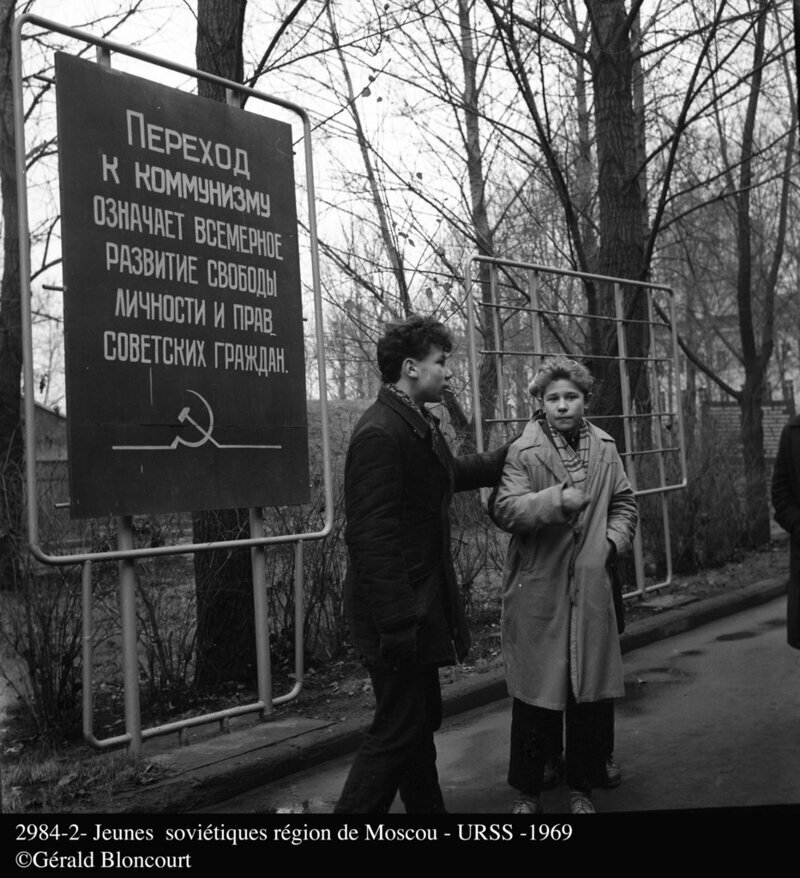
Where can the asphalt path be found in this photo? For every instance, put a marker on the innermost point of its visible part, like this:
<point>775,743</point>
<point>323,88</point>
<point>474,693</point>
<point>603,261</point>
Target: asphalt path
<point>711,719</point>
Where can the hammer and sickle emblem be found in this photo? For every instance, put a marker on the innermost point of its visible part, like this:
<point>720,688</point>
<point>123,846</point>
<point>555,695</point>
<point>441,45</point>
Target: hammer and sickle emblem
<point>185,417</point>
<point>205,433</point>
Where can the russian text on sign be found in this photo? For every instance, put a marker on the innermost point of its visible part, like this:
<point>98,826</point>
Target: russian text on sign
<point>159,306</point>
<point>253,319</point>
<point>260,359</point>
<point>148,349</point>
<point>242,278</point>
<point>130,216</point>
<point>235,236</point>
<point>148,262</point>
<point>157,138</point>
<point>216,193</point>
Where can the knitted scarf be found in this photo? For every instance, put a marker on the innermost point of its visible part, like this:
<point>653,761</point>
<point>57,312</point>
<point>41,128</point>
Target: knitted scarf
<point>573,451</point>
<point>433,421</point>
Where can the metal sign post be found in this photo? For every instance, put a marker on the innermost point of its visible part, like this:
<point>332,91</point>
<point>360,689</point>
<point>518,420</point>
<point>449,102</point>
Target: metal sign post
<point>184,326</point>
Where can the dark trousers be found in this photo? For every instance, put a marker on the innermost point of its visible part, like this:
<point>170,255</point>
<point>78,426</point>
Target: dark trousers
<point>606,709</point>
<point>608,727</point>
<point>793,593</point>
<point>398,754</point>
<point>536,737</point>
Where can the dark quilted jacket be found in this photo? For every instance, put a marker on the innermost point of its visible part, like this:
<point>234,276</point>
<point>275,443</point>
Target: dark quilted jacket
<point>397,497</point>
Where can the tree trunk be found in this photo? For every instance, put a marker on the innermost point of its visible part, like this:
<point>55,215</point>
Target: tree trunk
<point>755,472</point>
<point>226,649</point>
<point>752,396</point>
<point>11,445</point>
<point>622,225</point>
<point>220,27</point>
<point>492,335</point>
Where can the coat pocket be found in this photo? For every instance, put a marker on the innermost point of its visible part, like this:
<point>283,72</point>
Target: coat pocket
<point>525,547</point>
<point>530,595</point>
<point>427,591</point>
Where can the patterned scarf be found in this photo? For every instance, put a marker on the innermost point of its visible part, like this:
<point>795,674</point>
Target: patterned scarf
<point>573,451</point>
<point>433,421</point>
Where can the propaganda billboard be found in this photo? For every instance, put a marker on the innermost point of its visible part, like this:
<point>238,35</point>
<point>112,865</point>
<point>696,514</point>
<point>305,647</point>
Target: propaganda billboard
<point>182,304</point>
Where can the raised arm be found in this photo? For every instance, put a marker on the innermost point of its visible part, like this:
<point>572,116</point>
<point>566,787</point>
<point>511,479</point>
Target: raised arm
<point>517,507</point>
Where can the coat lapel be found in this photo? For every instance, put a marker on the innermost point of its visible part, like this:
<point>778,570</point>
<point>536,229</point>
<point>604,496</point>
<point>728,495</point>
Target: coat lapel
<point>594,456</point>
<point>542,448</point>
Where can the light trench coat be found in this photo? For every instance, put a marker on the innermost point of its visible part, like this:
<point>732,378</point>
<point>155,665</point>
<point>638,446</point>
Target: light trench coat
<point>559,628</point>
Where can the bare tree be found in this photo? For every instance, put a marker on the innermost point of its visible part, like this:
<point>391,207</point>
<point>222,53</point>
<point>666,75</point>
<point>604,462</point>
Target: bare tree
<point>223,578</point>
<point>447,71</point>
<point>756,358</point>
<point>698,46</point>
<point>735,240</point>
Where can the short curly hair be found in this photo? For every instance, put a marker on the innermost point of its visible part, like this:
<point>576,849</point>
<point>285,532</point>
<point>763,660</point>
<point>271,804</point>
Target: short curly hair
<point>554,368</point>
<point>412,337</point>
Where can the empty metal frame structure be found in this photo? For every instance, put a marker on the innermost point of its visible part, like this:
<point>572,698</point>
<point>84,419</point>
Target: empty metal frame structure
<point>125,554</point>
<point>532,311</point>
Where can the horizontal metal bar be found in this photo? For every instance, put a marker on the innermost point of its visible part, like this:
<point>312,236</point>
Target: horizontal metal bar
<point>647,589</point>
<point>178,549</point>
<point>566,272</point>
<point>204,719</point>
<point>577,356</point>
<point>657,414</point>
<point>593,418</point>
<point>665,489</point>
<point>191,72</point>
<point>650,451</point>
<point>192,722</point>
<point>500,306</point>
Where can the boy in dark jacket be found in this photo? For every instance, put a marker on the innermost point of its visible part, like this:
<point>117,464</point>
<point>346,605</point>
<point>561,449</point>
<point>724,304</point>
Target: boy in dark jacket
<point>403,604</point>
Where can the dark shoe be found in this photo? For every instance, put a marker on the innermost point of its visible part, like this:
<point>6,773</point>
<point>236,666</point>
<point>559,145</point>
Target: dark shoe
<point>553,772</point>
<point>612,777</point>
<point>580,803</point>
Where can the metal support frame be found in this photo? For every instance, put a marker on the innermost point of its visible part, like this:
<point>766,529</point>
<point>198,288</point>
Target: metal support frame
<point>536,310</point>
<point>125,552</point>
<point>627,408</point>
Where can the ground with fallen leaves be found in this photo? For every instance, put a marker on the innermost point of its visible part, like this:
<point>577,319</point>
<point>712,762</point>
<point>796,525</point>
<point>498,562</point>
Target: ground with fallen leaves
<point>70,777</point>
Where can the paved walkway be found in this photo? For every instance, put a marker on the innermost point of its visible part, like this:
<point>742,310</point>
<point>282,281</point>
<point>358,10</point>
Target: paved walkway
<point>216,767</point>
<point>710,719</point>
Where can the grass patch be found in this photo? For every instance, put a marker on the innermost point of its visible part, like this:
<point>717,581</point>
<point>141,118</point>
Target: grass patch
<point>48,781</point>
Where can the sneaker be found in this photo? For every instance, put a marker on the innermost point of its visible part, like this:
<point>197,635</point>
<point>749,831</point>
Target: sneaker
<point>553,772</point>
<point>526,806</point>
<point>612,776</point>
<point>580,803</point>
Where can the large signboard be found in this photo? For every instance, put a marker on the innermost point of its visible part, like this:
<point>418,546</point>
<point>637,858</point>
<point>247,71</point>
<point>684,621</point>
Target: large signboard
<point>182,308</point>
